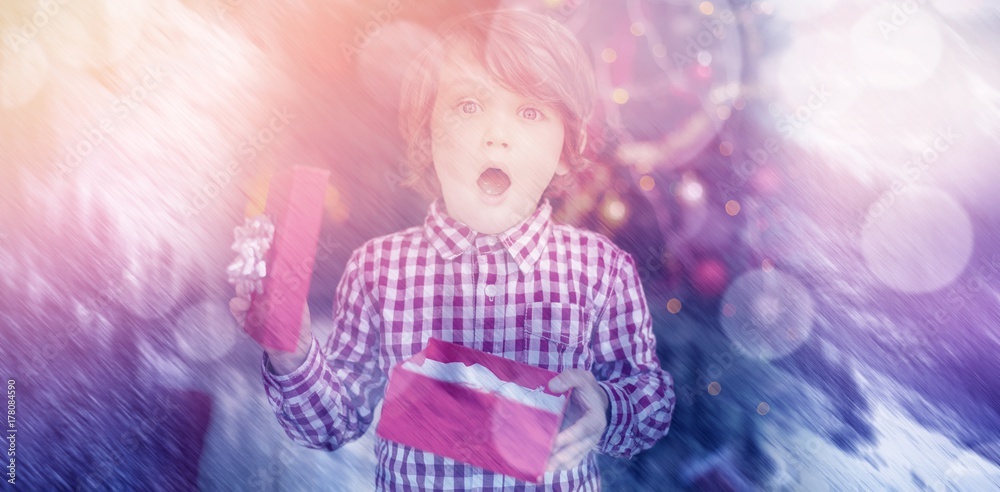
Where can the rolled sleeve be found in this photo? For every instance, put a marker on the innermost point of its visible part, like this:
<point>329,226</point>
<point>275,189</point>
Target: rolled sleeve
<point>613,442</point>
<point>329,400</point>
<point>640,393</point>
<point>305,376</point>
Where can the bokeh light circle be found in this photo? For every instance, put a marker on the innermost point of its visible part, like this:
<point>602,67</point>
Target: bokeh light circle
<point>772,314</point>
<point>897,49</point>
<point>709,277</point>
<point>816,71</point>
<point>674,305</point>
<point>714,388</point>
<point>969,169</point>
<point>707,226</point>
<point>686,68</point>
<point>918,240</point>
<point>810,86</point>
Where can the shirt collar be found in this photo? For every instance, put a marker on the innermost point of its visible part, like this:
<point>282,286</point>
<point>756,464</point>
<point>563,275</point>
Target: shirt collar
<point>525,241</point>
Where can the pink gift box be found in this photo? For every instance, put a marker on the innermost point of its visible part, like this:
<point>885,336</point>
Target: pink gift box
<point>482,428</point>
<point>295,205</point>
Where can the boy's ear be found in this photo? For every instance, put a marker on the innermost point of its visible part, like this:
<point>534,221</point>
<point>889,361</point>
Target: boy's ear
<point>563,168</point>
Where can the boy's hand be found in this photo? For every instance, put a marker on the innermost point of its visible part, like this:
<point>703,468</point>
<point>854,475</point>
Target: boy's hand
<point>282,362</point>
<point>585,421</point>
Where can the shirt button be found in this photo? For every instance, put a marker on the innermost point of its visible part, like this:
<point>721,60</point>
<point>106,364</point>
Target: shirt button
<point>491,290</point>
<point>491,240</point>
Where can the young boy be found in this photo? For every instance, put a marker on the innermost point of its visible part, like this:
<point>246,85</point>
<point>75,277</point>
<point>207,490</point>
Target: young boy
<point>494,114</point>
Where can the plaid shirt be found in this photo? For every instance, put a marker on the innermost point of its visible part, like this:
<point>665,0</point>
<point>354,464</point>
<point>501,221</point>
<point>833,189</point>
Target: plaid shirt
<point>546,294</point>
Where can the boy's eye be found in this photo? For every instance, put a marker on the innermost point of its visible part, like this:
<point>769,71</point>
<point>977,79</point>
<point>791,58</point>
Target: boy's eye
<point>468,107</point>
<point>531,114</point>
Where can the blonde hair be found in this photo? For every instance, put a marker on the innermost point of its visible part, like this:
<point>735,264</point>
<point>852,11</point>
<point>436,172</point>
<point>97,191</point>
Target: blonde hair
<point>529,54</point>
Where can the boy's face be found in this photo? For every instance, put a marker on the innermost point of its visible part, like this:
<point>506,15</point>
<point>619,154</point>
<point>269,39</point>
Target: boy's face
<point>494,151</point>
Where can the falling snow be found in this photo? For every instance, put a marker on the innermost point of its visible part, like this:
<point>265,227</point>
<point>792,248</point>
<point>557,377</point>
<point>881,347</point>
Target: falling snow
<point>808,189</point>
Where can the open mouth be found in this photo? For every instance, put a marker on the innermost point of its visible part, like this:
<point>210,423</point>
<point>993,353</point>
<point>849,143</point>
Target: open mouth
<point>493,181</point>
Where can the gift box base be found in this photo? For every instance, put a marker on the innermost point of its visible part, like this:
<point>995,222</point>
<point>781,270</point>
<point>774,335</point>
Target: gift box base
<point>470,425</point>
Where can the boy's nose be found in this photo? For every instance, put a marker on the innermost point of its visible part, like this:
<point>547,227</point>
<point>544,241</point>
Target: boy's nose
<point>496,136</point>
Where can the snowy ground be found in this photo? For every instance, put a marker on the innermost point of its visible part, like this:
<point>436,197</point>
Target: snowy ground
<point>905,456</point>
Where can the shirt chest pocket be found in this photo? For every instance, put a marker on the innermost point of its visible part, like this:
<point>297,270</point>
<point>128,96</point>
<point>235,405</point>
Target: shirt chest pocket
<point>555,336</point>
